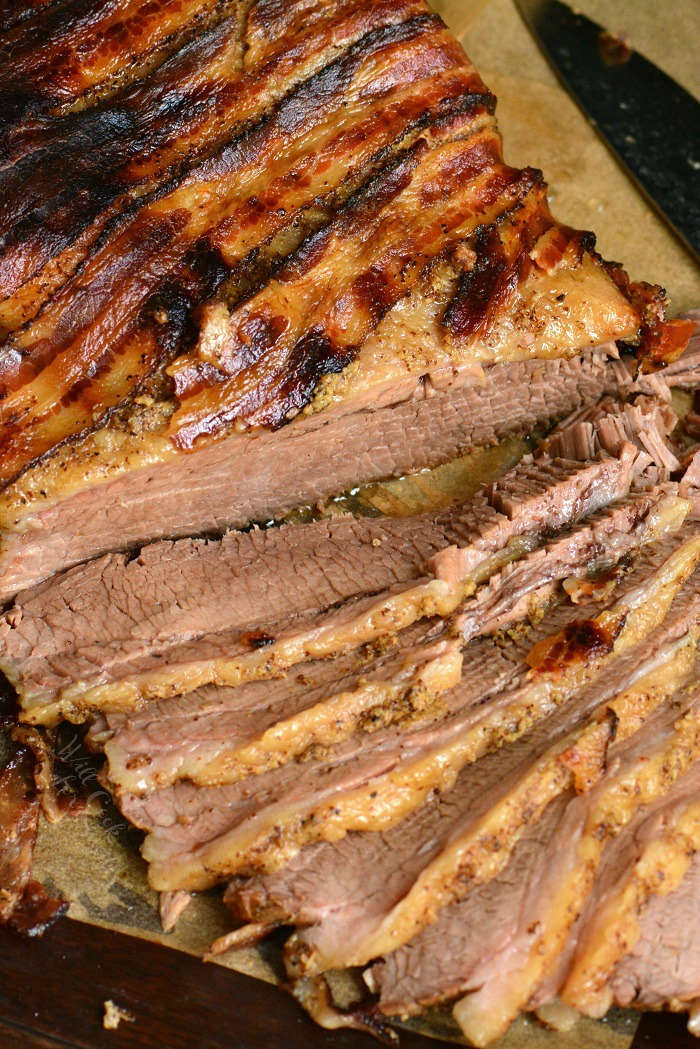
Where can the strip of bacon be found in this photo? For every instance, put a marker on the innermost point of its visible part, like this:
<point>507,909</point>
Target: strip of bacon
<point>110,340</point>
<point>75,52</point>
<point>312,318</point>
<point>194,104</point>
<point>14,11</point>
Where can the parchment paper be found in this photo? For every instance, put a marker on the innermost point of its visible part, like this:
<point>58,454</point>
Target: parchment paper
<point>95,862</point>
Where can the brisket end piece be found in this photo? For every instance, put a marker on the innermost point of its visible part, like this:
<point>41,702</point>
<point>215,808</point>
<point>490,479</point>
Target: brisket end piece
<point>24,904</point>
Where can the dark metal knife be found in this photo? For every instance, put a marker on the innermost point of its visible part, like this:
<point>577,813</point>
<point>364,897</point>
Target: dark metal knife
<point>650,121</point>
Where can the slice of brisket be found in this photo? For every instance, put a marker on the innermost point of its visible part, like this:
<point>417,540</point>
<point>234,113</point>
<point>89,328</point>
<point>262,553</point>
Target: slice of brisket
<point>368,889</point>
<point>117,619</point>
<point>210,812</point>
<point>199,833</point>
<point>505,935</point>
<point>253,478</point>
<point>662,969</point>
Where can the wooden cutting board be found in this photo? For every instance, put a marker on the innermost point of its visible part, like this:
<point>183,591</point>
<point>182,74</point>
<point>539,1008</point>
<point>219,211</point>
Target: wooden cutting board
<point>52,996</point>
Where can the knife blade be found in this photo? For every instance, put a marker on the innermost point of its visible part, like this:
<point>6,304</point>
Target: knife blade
<point>651,123</point>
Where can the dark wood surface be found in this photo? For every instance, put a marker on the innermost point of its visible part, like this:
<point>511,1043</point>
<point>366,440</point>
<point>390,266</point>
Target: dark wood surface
<point>52,994</point>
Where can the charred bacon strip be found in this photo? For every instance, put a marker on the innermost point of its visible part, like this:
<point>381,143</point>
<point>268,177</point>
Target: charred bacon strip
<point>312,318</point>
<point>194,103</point>
<point>106,139</point>
<point>365,126</point>
<point>56,201</point>
<point>140,257</point>
<point>217,112</point>
<point>202,94</point>
<point>70,53</point>
<point>14,11</point>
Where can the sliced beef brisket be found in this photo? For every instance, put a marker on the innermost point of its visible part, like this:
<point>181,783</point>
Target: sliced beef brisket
<point>254,253</point>
<point>292,789</point>
<point>662,969</point>
<point>258,722</point>
<point>120,630</point>
<point>192,601</point>
<point>199,833</point>
<point>243,479</point>
<point>264,726</point>
<point>504,939</point>
<point>365,895</point>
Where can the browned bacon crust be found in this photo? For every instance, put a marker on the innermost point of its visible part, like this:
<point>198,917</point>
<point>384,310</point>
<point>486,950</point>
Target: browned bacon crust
<point>14,11</point>
<point>71,52</point>
<point>239,193</point>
